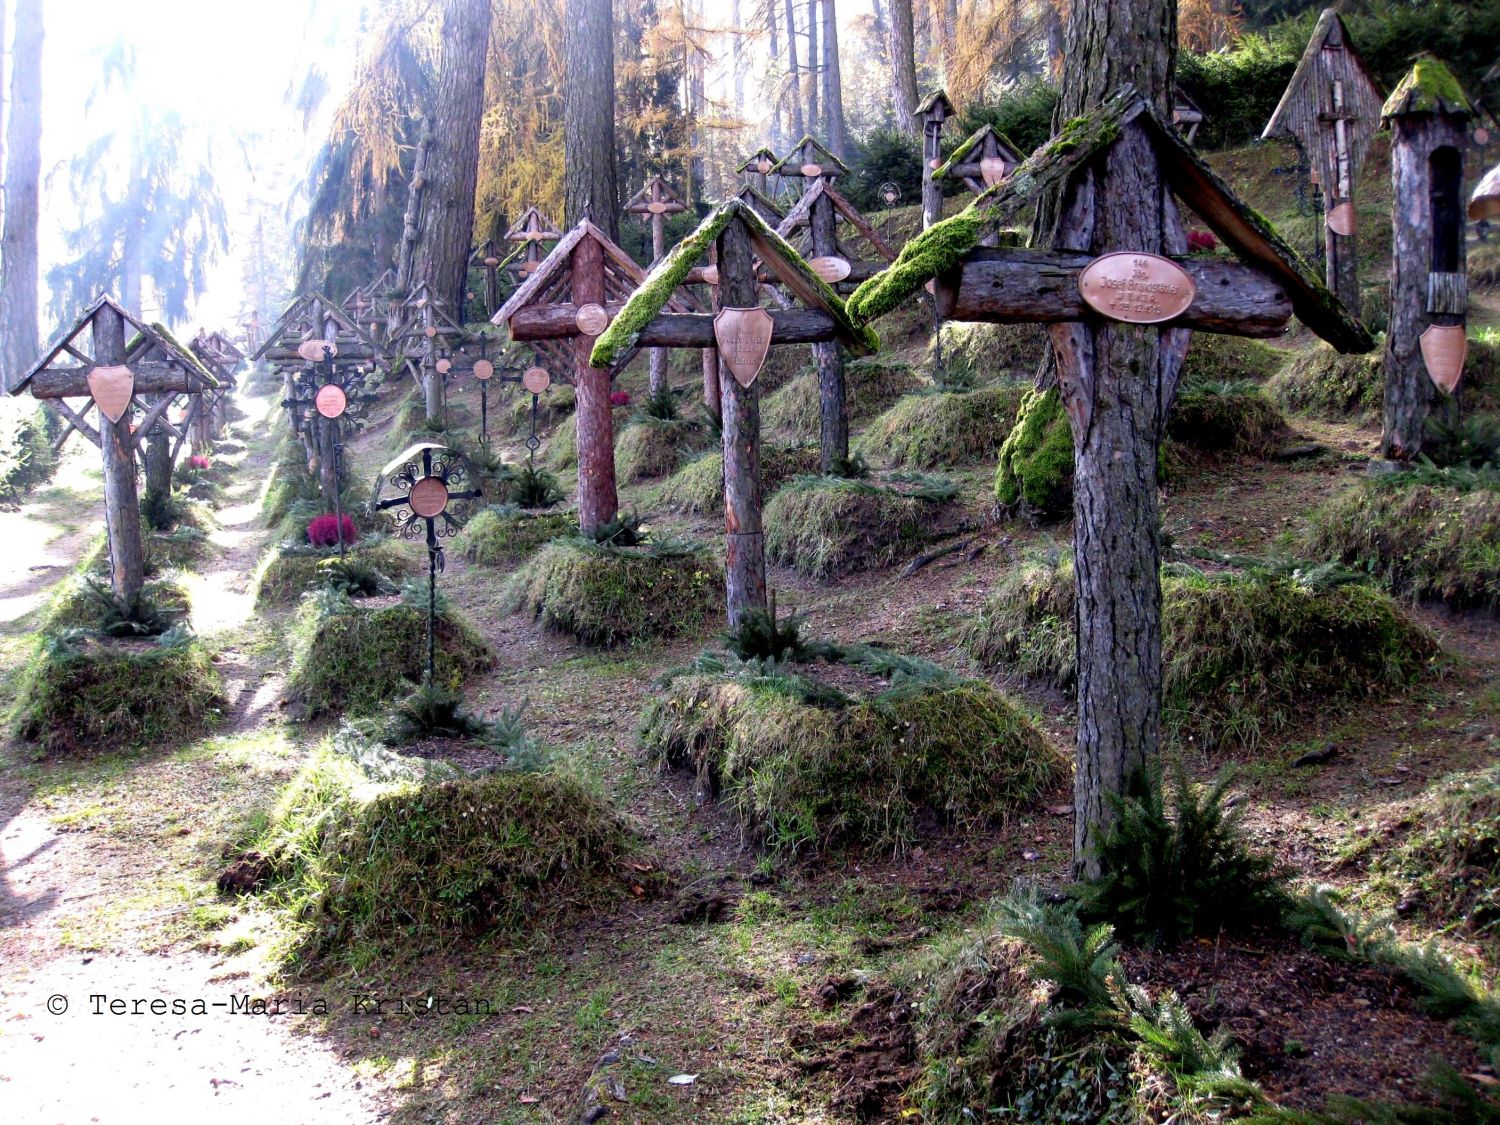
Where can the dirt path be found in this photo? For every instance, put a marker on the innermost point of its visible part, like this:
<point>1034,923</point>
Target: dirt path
<point>106,1014</point>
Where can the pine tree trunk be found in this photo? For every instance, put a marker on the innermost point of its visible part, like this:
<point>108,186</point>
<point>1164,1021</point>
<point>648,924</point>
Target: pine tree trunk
<point>794,82</point>
<point>744,540</point>
<point>589,117</point>
<point>815,121</point>
<point>778,106</point>
<point>737,55</point>
<point>18,243</point>
<point>950,37</point>
<point>904,67</point>
<point>833,84</point>
<point>447,225</point>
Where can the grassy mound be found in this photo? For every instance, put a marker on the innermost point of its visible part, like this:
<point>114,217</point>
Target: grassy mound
<point>1322,382</point>
<point>809,767</point>
<point>350,657</point>
<point>1232,418</point>
<point>562,449</point>
<point>502,534</point>
<point>1484,265</point>
<point>828,526</point>
<point>1215,358</point>
<point>609,595</point>
<point>947,428</point>
<point>80,694</point>
<point>286,573</point>
<point>1425,540</point>
<point>987,353</point>
<point>1243,655</point>
<point>795,410</point>
<point>653,447</point>
<point>699,485</point>
<point>556,404</point>
<point>367,851</point>
<point>1035,474</point>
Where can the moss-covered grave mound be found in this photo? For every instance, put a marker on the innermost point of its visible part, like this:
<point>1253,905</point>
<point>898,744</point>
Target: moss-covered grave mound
<point>923,431</point>
<point>556,404</point>
<point>699,485</point>
<point>654,447</point>
<point>1321,382</point>
<point>1215,358</point>
<point>871,386</point>
<point>1243,655</point>
<point>503,534</point>
<point>562,449</point>
<point>367,847</point>
<point>349,656</point>
<point>987,353</point>
<point>1227,417</point>
<point>608,595</point>
<point>828,526</point>
<point>1035,474</point>
<point>369,566</point>
<point>862,753</point>
<point>81,693</point>
<point>1438,541</point>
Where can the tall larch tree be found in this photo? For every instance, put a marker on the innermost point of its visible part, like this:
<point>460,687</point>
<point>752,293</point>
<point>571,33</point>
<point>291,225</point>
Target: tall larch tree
<point>815,120</point>
<point>833,84</point>
<point>904,67</point>
<point>18,243</point>
<point>589,177</point>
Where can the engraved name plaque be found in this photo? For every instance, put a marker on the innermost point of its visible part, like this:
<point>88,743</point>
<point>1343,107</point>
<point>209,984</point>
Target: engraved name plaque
<point>1136,288</point>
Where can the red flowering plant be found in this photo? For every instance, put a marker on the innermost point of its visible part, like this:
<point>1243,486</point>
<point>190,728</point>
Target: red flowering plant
<point>323,531</point>
<point>198,461</point>
<point>620,398</point>
<point>1202,242</point>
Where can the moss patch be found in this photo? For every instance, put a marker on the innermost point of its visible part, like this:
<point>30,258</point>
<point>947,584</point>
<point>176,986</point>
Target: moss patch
<point>610,595</point>
<point>553,407</point>
<point>350,657</point>
<point>1243,655</point>
<point>653,448</point>
<point>366,850</point>
<point>988,353</point>
<point>699,485</point>
<point>501,535</point>
<point>926,430</point>
<point>1322,382</point>
<point>1426,541</point>
<point>865,769</point>
<point>1213,357</point>
<point>829,526</point>
<point>1035,474</point>
<point>796,410</point>
<point>285,574</point>
<point>81,695</point>
<point>1227,418</point>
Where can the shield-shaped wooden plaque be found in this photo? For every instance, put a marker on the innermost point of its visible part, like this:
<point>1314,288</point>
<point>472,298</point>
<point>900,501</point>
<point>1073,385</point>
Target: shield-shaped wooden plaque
<point>831,268</point>
<point>744,338</point>
<point>1444,349</point>
<point>992,169</point>
<point>112,388</point>
<point>1341,219</point>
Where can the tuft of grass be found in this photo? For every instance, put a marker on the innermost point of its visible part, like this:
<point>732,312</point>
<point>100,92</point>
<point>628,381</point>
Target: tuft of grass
<point>1227,417</point>
<point>806,768</point>
<point>1214,357</point>
<point>654,447</point>
<point>1425,540</point>
<point>1243,655</point>
<point>795,410</point>
<point>348,658</point>
<point>369,567</point>
<point>562,450</point>
<point>1322,382</point>
<point>368,850</point>
<point>503,534</point>
<point>922,431</point>
<point>829,526</point>
<point>81,694</point>
<point>699,485</point>
<point>607,595</point>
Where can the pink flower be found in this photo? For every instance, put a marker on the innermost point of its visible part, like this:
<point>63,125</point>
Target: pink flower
<point>1201,241</point>
<point>198,461</point>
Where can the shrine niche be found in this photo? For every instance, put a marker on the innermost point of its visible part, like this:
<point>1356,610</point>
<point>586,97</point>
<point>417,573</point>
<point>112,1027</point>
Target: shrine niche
<point>742,330</point>
<point>934,111</point>
<point>115,381</point>
<point>1331,109</point>
<point>559,310</point>
<point>1426,343</point>
<point>652,204</point>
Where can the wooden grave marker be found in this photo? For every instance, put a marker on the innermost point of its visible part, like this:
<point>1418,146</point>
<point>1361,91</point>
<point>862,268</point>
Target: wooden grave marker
<point>934,110</point>
<point>756,168</point>
<point>428,323</point>
<point>653,203</point>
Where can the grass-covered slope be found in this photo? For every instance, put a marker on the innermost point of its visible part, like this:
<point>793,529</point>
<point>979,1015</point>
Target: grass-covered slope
<point>829,526</point>
<point>923,431</point>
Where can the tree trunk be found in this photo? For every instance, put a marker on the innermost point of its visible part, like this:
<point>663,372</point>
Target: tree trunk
<point>447,224</point>
<point>744,541</point>
<point>794,82</point>
<point>159,461</point>
<point>815,121</point>
<point>778,108</point>
<point>1118,381</point>
<point>737,55</point>
<point>903,67</point>
<point>598,502</point>
<point>122,512</point>
<point>950,37</point>
<point>833,84</point>
<point>18,243</point>
<point>832,400</point>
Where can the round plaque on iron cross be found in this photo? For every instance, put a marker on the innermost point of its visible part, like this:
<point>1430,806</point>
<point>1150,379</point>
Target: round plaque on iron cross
<point>1136,288</point>
<point>444,366</point>
<point>591,319</point>
<point>428,497</point>
<point>483,369</point>
<point>536,380</point>
<point>331,401</point>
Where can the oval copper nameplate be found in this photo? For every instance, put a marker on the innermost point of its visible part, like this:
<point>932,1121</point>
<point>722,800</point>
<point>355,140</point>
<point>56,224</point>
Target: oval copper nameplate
<point>1481,136</point>
<point>1136,288</point>
<point>536,380</point>
<point>1444,349</point>
<point>762,165</point>
<point>430,332</point>
<point>1341,219</point>
<point>112,388</point>
<point>656,208</point>
<point>444,366</point>
<point>428,497</point>
<point>312,350</point>
<point>492,262</point>
<point>591,319</point>
<point>331,401</point>
<point>811,170</point>
<point>830,269</point>
<point>993,169</point>
<point>710,275</point>
<point>483,369</point>
<point>533,236</point>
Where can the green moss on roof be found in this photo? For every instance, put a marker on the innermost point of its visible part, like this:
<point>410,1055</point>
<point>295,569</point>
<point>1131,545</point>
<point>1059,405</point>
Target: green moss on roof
<point>957,156</point>
<point>936,249</point>
<point>825,157</point>
<point>1429,87</point>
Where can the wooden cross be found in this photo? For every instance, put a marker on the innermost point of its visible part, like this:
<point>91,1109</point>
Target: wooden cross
<point>561,308</point>
<point>530,231</point>
<point>934,110</point>
<point>488,256</point>
<point>756,168</point>
<point>742,331</point>
<point>1331,108</point>
<point>1427,341</point>
<point>428,322</point>
<point>654,203</point>
<point>984,159</point>
<point>224,358</point>
<point>111,377</point>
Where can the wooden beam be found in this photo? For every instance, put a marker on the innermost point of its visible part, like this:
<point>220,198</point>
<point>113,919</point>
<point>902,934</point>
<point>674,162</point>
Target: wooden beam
<point>551,322</point>
<point>696,330</point>
<point>74,419</point>
<point>150,378</point>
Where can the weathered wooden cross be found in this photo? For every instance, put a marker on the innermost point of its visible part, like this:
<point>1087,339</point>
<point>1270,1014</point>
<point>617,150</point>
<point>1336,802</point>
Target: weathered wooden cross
<point>428,322</point>
<point>654,203</point>
<point>756,168</point>
<point>224,358</point>
<point>111,377</point>
<point>529,232</point>
<point>488,256</point>
<point>743,332</point>
<point>1331,108</point>
<point>981,161</point>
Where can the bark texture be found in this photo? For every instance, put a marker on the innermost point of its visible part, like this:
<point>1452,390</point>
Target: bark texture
<point>903,66</point>
<point>122,511</point>
<point>794,72</point>
<point>744,540</point>
<point>833,84</point>
<point>18,243</point>
<point>832,397</point>
<point>598,501</point>
<point>589,176</point>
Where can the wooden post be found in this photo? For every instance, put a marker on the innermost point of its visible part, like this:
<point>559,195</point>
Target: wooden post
<point>158,457</point>
<point>832,399</point>
<point>598,502</point>
<point>434,390</point>
<point>122,513</point>
<point>935,110</point>
<point>658,355</point>
<point>744,540</point>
